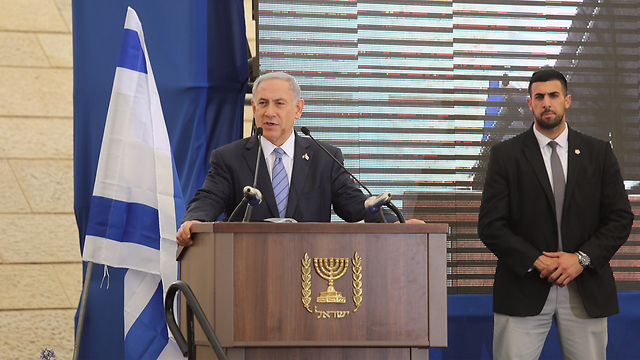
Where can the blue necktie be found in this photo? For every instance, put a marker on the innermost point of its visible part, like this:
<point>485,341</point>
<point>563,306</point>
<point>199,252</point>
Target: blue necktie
<point>280,183</point>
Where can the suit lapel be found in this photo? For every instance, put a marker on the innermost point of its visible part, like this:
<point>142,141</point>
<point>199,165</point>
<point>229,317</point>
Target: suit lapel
<point>532,152</point>
<point>302,160</point>
<point>264,182</point>
<point>574,163</point>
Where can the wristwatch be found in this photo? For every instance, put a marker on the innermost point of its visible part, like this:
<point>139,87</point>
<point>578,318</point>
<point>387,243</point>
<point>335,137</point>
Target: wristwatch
<point>583,259</point>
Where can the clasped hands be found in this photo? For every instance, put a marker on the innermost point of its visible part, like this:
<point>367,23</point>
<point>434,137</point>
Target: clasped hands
<point>559,268</point>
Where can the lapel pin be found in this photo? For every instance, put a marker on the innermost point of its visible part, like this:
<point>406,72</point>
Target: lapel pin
<point>577,151</point>
<point>305,156</point>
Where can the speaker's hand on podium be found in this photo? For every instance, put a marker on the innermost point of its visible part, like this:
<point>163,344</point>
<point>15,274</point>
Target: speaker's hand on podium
<point>183,237</point>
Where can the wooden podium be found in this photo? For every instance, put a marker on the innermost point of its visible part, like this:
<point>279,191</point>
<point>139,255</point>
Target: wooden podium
<point>259,288</point>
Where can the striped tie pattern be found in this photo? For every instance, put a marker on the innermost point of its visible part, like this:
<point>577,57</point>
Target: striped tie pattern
<point>280,183</point>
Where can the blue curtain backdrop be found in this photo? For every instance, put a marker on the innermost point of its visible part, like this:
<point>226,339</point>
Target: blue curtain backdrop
<point>199,58</point>
<point>470,325</point>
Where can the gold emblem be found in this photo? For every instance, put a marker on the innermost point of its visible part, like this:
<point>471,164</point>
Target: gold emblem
<point>331,269</point>
<point>577,151</point>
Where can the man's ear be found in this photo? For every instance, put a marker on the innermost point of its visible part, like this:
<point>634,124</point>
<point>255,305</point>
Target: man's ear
<point>299,107</point>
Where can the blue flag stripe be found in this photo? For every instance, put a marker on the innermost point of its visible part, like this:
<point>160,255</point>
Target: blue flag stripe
<point>179,205</point>
<point>124,222</point>
<point>148,335</point>
<point>131,54</point>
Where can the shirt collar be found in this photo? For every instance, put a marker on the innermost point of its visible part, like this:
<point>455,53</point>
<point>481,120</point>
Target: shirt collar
<point>543,141</point>
<point>288,146</point>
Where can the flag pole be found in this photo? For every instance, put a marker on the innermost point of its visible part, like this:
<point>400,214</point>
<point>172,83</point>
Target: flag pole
<point>83,309</point>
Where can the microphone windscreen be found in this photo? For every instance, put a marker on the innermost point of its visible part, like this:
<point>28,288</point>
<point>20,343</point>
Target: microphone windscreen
<point>373,203</point>
<point>253,195</point>
<point>259,131</point>
<point>305,130</point>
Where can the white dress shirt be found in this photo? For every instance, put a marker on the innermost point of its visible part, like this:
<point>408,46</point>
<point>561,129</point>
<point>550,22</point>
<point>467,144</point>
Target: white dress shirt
<point>287,159</point>
<point>562,149</point>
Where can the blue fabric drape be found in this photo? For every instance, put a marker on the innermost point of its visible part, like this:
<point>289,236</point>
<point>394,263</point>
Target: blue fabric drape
<point>199,56</point>
<point>470,325</point>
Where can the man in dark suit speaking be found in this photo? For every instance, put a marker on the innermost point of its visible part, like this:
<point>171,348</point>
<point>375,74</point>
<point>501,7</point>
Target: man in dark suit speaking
<point>554,211</point>
<point>296,177</point>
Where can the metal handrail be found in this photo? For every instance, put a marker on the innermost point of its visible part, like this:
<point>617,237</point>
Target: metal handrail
<point>189,348</point>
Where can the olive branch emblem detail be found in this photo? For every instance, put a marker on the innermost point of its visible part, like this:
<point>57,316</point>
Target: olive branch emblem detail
<point>357,280</point>
<point>306,282</point>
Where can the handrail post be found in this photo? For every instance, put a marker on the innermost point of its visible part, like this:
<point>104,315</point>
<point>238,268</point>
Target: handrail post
<point>83,309</point>
<point>193,307</point>
<point>191,333</point>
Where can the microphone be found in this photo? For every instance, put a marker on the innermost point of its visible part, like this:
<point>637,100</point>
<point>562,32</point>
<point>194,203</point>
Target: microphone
<point>247,213</point>
<point>305,130</point>
<point>252,195</point>
<point>373,204</point>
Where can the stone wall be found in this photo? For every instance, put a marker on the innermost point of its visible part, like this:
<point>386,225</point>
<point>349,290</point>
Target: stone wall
<point>40,266</point>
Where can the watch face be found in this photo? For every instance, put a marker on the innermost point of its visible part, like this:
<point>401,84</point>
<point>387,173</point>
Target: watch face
<point>584,259</point>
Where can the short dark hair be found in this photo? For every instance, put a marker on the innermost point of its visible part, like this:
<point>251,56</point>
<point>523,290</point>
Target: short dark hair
<point>545,75</point>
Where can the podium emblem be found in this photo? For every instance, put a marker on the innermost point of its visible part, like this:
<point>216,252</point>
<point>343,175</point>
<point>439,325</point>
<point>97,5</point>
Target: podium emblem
<point>331,269</point>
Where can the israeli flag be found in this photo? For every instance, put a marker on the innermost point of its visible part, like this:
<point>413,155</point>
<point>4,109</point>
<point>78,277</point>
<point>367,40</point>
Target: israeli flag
<point>137,201</point>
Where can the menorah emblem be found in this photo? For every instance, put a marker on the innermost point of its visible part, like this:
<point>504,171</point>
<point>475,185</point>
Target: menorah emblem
<point>331,269</point>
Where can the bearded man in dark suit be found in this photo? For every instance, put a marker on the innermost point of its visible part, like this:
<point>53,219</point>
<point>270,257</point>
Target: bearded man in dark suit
<point>554,211</point>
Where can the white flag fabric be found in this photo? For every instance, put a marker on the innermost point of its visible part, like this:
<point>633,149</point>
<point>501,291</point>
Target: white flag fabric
<point>137,202</point>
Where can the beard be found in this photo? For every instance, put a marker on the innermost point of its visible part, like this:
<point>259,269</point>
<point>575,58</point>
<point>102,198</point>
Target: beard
<point>548,124</point>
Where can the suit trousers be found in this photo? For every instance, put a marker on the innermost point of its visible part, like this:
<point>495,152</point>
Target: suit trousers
<point>581,336</point>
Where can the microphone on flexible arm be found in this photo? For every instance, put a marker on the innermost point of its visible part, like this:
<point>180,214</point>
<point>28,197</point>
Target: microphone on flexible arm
<point>252,196</point>
<point>372,204</point>
<point>247,213</point>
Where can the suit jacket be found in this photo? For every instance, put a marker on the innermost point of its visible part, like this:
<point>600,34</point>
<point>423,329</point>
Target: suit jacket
<point>517,221</point>
<point>317,182</point>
